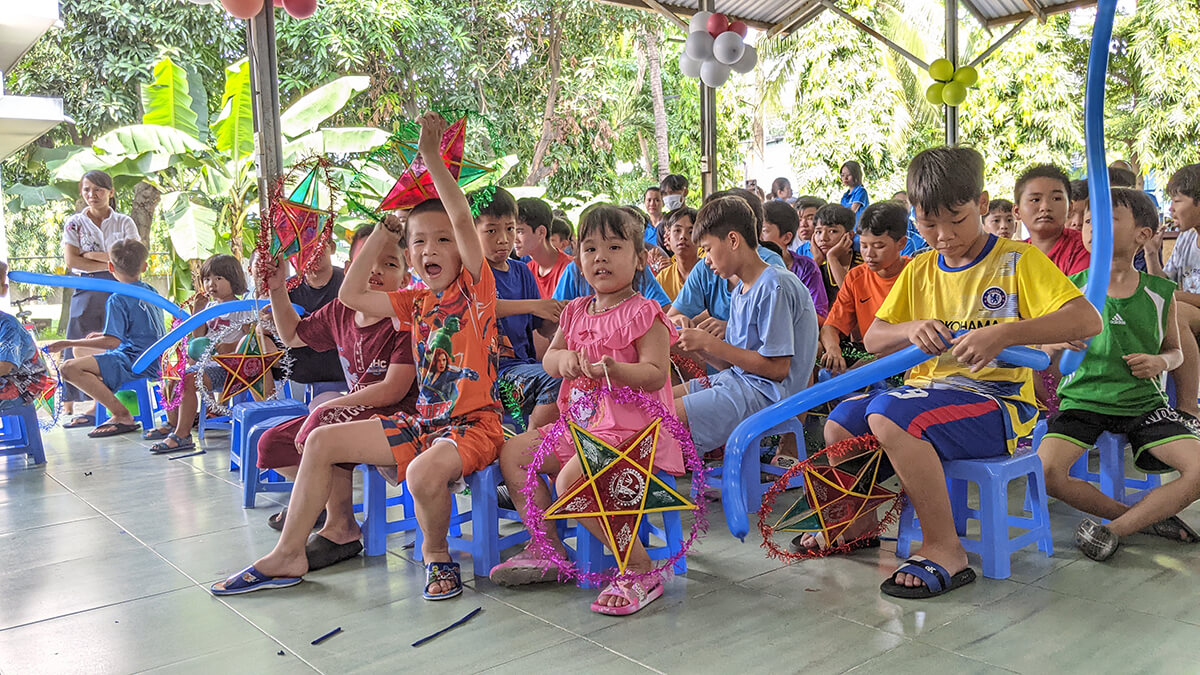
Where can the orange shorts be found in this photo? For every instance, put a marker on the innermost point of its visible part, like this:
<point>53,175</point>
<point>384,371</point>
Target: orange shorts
<point>477,435</point>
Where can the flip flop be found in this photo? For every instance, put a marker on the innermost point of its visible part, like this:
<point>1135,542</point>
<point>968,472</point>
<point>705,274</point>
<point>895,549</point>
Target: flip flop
<point>250,580</point>
<point>521,571</point>
<point>443,571</point>
<point>637,595</point>
<point>1170,529</point>
<point>156,434</point>
<point>113,429</point>
<point>276,521</point>
<point>322,552</point>
<point>1096,541</point>
<point>79,421</point>
<point>183,444</point>
<point>936,580</point>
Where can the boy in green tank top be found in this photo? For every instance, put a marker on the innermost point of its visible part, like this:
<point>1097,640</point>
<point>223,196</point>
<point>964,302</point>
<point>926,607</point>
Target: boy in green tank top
<point>1119,388</point>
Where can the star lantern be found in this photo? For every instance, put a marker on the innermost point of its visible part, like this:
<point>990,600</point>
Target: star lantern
<point>618,487</point>
<point>246,368</point>
<point>415,185</point>
<point>300,229</point>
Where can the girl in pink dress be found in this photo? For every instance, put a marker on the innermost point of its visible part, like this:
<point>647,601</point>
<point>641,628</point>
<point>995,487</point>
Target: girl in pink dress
<point>615,337</point>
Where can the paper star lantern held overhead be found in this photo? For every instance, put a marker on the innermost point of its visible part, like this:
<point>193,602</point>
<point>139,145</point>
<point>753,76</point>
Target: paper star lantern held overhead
<point>246,367</point>
<point>300,227</point>
<point>618,487</point>
<point>415,184</point>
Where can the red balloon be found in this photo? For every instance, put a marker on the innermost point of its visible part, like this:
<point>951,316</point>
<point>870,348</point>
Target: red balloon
<point>300,9</point>
<point>717,24</point>
<point>243,9</point>
<point>739,28</point>
<point>277,3</point>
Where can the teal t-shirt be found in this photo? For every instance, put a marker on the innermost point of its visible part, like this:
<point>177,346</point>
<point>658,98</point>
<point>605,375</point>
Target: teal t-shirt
<point>1134,325</point>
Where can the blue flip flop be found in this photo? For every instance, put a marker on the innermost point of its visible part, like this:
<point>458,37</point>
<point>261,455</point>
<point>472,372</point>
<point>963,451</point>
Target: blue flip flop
<point>250,580</point>
<point>936,580</point>
<point>443,571</point>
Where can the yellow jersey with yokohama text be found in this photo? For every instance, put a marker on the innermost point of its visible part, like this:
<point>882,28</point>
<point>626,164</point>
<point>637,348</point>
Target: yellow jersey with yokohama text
<point>1007,282</point>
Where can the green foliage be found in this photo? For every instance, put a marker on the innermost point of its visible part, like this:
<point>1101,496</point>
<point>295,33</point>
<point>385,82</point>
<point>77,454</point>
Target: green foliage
<point>234,129</point>
<point>166,100</point>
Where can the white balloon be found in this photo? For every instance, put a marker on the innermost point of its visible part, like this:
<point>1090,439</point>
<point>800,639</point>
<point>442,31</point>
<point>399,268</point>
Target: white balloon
<point>728,48</point>
<point>688,66</point>
<point>699,22</point>
<point>714,74</point>
<point>747,62</point>
<point>699,46</point>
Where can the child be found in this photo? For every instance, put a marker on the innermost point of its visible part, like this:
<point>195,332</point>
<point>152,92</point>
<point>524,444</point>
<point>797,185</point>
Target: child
<point>958,405</point>
<point>678,229</point>
<point>224,281</point>
<point>561,237</point>
<point>1079,204</point>
<point>834,249</point>
<point>806,209</point>
<point>781,190</point>
<point>1042,200</point>
<point>855,198</point>
<point>457,430</point>
<point>521,311</point>
<point>23,375</point>
<point>770,342</point>
<point>999,220</point>
<point>901,198</point>
<point>377,365</point>
<point>780,223</point>
<point>1119,388</point>
<point>532,238</point>
<point>130,327</point>
<point>674,191</point>
<point>866,287</point>
<point>615,336</point>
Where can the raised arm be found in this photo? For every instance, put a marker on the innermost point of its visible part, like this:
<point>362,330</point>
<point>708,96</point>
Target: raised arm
<point>356,292</point>
<point>285,316</point>
<point>433,126</point>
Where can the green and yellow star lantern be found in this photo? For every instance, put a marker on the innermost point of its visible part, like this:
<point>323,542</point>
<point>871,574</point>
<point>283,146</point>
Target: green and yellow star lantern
<point>950,84</point>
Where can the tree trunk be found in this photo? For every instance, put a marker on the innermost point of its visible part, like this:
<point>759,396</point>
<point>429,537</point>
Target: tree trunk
<point>647,165</point>
<point>660,107</point>
<point>537,168</point>
<point>145,200</point>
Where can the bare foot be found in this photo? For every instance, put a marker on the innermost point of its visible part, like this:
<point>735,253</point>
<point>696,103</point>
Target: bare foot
<point>343,531</point>
<point>439,587</point>
<point>618,601</point>
<point>275,564</point>
<point>866,523</point>
<point>953,559</point>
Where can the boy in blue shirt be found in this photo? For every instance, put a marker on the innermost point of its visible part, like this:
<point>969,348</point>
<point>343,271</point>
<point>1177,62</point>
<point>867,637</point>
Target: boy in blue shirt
<point>770,341</point>
<point>23,376</point>
<point>520,311</point>
<point>130,328</point>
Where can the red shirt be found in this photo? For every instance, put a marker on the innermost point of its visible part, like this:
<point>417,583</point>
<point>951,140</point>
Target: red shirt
<point>546,284</point>
<point>1069,253</point>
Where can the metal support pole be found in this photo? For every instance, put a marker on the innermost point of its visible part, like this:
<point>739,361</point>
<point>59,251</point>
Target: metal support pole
<point>264,88</point>
<point>952,55</point>
<point>708,128</point>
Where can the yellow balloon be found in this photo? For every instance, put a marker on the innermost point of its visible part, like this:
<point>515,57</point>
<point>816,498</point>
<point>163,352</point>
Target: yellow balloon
<point>941,70</point>
<point>954,93</point>
<point>966,76</point>
<point>934,93</point>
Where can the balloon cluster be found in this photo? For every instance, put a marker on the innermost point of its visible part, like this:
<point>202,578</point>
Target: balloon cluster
<point>248,9</point>
<point>714,47</point>
<point>950,85</point>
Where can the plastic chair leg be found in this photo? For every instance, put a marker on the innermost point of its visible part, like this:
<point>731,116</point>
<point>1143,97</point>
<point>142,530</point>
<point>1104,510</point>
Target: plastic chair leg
<point>1112,466</point>
<point>33,434</point>
<point>993,529</point>
<point>250,476</point>
<point>485,521</point>
<point>1039,510</point>
<point>375,526</point>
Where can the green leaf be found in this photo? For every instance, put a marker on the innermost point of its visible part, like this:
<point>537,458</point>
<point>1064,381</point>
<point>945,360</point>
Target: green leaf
<point>26,196</point>
<point>341,141</point>
<point>167,101</point>
<point>71,168</point>
<point>320,104</point>
<point>234,128</point>
<point>199,101</point>
<point>137,139</point>
<point>192,226</point>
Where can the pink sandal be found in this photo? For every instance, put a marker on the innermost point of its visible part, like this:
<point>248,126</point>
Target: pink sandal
<point>637,595</point>
<point>522,569</point>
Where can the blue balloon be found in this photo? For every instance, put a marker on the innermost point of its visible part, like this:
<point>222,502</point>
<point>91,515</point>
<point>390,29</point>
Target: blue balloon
<point>1099,188</point>
<point>96,284</point>
<point>740,463</point>
<point>191,323</point>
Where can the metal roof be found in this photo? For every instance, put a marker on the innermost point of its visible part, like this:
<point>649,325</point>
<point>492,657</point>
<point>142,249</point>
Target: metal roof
<point>783,16</point>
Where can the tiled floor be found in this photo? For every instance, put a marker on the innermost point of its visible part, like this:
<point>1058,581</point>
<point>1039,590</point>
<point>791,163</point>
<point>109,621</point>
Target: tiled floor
<point>106,554</point>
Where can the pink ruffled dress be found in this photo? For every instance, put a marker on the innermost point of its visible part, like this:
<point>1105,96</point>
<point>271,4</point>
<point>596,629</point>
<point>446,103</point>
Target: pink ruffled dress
<point>613,333</point>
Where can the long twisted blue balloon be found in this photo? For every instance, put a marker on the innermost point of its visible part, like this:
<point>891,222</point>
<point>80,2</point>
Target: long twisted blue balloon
<point>96,284</point>
<point>1099,189</point>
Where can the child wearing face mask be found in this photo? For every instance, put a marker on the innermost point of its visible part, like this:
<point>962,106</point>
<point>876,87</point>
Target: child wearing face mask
<point>674,191</point>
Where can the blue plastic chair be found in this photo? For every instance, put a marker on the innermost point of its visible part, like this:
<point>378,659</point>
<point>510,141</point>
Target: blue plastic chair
<point>21,435</point>
<point>994,546</point>
<point>255,480</point>
<point>375,504</point>
<point>1111,477</point>
<point>485,543</point>
<point>246,415</point>
<point>148,410</point>
<point>756,489</point>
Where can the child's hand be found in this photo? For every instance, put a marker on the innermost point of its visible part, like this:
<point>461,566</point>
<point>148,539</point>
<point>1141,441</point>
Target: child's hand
<point>1145,366</point>
<point>695,339</point>
<point>714,327</point>
<point>1154,244</point>
<point>818,255</point>
<point>433,126</point>
<point>392,224</point>
<point>549,309</point>
<point>600,371</point>
<point>681,321</point>
<point>979,347</point>
<point>572,365</point>
<point>1073,345</point>
<point>57,346</point>
<point>833,362</point>
<point>272,270</point>
<point>930,335</point>
<point>843,247</point>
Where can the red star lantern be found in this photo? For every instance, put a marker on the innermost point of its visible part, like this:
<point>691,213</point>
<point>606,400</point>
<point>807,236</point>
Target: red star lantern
<point>618,487</point>
<point>833,499</point>
<point>415,185</point>
<point>299,229</point>
<point>246,368</point>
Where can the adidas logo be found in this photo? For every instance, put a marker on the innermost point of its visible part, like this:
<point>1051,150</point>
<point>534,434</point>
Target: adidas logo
<point>1117,320</point>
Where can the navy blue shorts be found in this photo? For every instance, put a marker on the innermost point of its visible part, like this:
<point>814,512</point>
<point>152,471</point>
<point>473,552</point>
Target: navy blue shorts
<point>959,424</point>
<point>116,369</point>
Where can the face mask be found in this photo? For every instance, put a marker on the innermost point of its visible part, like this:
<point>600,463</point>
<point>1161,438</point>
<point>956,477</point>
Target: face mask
<point>672,202</point>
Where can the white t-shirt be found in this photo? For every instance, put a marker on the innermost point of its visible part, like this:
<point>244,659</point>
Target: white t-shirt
<point>82,233</point>
<point>1183,267</point>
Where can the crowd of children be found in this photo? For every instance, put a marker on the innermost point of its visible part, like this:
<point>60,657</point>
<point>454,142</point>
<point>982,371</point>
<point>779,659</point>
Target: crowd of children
<point>516,306</point>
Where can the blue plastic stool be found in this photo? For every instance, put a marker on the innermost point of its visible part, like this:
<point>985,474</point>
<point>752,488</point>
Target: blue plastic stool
<point>757,489</point>
<point>589,552</point>
<point>375,525</point>
<point>21,435</point>
<point>1111,477</point>
<point>994,546</point>
<point>485,543</point>
<point>246,415</point>
<point>147,404</point>
<point>255,480</point>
